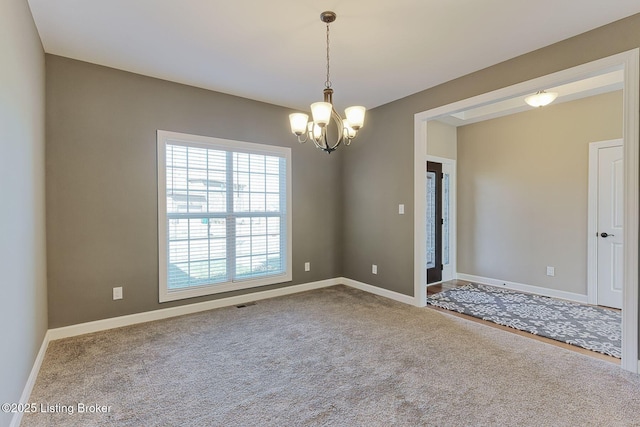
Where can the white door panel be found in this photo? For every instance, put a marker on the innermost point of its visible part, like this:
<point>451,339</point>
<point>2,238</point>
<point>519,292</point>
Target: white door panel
<point>610,219</point>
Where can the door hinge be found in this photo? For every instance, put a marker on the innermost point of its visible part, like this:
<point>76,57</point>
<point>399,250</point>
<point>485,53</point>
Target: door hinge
<point>442,221</point>
<point>441,267</point>
<point>442,175</point>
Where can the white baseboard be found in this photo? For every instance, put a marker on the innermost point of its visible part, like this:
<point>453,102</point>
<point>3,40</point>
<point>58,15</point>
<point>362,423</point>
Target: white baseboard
<point>31,381</point>
<point>132,319</point>
<point>165,313</point>
<point>553,293</point>
<point>406,299</point>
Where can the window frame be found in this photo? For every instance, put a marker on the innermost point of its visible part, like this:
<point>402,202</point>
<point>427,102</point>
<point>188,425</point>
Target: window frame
<point>167,137</point>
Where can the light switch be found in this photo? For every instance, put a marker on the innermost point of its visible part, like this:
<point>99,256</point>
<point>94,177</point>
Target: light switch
<point>401,209</point>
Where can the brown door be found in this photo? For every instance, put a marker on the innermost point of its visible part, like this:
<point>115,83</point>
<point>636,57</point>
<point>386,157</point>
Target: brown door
<point>434,222</point>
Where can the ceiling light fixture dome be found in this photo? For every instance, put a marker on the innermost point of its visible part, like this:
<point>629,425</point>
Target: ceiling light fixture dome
<point>541,98</point>
<point>323,114</point>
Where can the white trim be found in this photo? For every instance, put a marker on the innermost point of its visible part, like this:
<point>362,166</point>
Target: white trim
<point>396,296</point>
<point>592,217</point>
<point>449,272</point>
<point>165,313</point>
<point>530,289</point>
<point>419,212</point>
<point>31,381</point>
<point>628,61</point>
<point>630,242</point>
<point>206,142</point>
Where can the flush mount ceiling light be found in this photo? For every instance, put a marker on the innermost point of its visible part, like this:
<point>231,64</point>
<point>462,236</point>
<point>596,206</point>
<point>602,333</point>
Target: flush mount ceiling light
<point>541,98</point>
<point>323,114</point>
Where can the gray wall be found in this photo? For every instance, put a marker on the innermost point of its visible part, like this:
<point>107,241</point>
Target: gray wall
<point>442,140</point>
<point>378,170</point>
<point>101,185</point>
<point>23,305</point>
<point>522,192</point>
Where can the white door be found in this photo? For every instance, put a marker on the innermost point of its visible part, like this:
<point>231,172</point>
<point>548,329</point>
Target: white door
<point>609,226</point>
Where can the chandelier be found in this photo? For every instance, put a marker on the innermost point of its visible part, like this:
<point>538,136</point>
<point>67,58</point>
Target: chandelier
<point>323,113</point>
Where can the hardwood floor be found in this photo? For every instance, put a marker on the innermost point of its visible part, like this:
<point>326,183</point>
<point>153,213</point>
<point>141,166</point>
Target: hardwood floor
<point>433,289</point>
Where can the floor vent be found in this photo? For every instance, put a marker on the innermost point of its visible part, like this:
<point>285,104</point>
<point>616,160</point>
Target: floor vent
<point>246,304</point>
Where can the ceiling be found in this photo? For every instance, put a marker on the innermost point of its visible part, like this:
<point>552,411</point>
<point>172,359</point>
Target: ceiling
<point>604,82</point>
<point>274,51</point>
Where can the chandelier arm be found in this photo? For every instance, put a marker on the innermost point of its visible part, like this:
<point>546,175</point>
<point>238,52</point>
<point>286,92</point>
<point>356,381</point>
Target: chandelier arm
<point>317,141</point>
<point>340,127</point>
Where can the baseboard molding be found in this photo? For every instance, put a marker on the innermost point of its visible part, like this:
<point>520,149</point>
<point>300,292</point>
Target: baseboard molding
<point>165,313</point>
<point>116,322</point>
<point>406,299</point>
<point>149,316</point>
<point>31,381</point>
<point>553,293</point>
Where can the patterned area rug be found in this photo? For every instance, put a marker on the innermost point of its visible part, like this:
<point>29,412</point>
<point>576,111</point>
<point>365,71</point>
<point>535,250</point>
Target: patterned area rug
<point>594,328</point>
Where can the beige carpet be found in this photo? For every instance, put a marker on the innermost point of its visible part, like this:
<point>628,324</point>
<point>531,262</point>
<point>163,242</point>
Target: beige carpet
<point>332,357</point>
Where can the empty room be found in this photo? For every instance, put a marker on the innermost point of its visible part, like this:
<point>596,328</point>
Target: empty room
<point>292,213</point>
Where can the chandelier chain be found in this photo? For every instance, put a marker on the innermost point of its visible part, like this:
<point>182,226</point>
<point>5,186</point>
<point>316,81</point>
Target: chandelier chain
<point>327,83</point>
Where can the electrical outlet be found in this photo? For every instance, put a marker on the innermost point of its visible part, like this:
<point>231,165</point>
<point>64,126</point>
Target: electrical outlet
<point>551,271</point>
<point>307,266</point>
<point>117,293</point>
<point>374,269</point>
<point>401,209</point>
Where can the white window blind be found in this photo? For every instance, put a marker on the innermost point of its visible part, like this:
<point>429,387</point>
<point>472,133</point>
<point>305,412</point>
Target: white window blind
<point>224,215</point>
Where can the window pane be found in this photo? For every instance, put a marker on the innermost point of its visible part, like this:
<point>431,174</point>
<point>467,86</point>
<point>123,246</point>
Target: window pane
<point>196,252</point>
<point>273,203</point>
<point>273,225</point>
<point>258,247</point>
<point>217,201</point>
<point>218,248</point>
<point>257,163</point>
<point>196,180</point>
<point>241,162</point>
<point>445,218</point>
<point>258,226</point>
<point>257,202</point>
<point>431,219</point>
<point>256,183</point>
<point>272,165</point>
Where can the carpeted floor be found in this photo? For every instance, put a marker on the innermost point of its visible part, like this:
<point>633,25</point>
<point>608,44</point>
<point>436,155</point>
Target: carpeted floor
<point>331,357</point>
<point>594,328</point>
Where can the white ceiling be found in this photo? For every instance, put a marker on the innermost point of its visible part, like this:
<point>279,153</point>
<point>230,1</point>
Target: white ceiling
<point>274,51</point>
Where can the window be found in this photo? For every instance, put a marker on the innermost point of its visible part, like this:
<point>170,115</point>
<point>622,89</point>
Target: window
<point>224,215</point>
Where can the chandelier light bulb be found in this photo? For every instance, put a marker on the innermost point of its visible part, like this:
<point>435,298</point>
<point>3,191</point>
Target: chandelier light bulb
<point>298,123</point>
<point>355,116</point>
<point>321,112</point>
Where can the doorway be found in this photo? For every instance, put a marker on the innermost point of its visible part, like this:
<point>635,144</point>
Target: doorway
<point>447,240</point>
<point>605,223</point>
<point>628,62</point>
<point>434,222</point>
